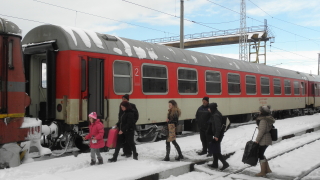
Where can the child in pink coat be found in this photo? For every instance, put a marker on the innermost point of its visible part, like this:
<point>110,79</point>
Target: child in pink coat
<point>96,132</point>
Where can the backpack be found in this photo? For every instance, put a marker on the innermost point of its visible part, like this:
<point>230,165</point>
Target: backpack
<point>136,115</point>
<point>225,123</point>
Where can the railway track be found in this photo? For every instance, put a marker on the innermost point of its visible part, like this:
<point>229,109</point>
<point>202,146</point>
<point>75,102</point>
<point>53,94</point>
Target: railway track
<point>302,175</point>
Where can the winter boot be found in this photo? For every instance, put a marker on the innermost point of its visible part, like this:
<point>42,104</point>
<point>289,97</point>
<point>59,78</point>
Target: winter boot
<point>268,170</point>
<point>180,156</point>
<point>167,158</point>
<point>214,162</point>
<point>113,159</point>
<point>224,162</point>
<point>135,156</point>
<point>93,162</point>
<point>263,166</point>
<point>100,161</point>
<point>202,152</point>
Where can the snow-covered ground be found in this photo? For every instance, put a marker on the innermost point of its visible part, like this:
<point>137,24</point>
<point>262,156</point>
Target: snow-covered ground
<point>151,154</point>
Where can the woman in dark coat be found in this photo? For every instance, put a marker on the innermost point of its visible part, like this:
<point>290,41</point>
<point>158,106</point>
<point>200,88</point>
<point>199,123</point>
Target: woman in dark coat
<point>215,130</point>
<point>126,125</point>
<point>264,122</point>
<point>172,120</point>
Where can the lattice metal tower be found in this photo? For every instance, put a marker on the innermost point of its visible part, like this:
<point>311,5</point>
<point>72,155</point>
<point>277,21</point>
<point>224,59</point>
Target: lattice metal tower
<point>243,48</point>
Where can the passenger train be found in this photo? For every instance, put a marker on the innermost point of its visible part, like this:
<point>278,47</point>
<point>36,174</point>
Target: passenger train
<point>70,72</point>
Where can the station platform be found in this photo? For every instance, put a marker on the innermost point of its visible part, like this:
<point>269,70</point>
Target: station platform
<point>150,165</point>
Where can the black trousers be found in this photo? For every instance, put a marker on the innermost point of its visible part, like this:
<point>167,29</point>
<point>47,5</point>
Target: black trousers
<point>126,148</point>
<point>205,140</point>
<point>125,138</point>
<point>262,149</point>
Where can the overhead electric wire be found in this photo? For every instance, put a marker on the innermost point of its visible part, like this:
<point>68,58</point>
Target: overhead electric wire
<point>262,22</point>
<point>24,19</point>
<point>170,14</point>
<point>221,22</point>
<point>282,19</point>
<point>102,17</point>
<point>274,27</point>
<point>294,53</point>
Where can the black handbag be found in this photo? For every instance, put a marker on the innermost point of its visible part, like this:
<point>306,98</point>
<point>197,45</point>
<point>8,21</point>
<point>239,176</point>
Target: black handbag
<point>251,152</point>
<point>274,133</point>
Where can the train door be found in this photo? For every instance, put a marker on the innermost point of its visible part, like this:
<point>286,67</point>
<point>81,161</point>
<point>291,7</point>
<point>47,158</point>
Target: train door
<point>40,71</point>
<point>96,86</point>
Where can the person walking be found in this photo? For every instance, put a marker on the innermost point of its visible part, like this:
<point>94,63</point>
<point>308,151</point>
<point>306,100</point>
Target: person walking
<point>126,148</point>
<point>126,125</point>
<point>96,132</point>
<point>202,117</point>
<point>172,120</point>
<point>215,130</point>
<point>264,122</point>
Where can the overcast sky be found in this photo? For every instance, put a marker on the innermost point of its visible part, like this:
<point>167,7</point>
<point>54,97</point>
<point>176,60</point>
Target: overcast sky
<point>294,23</point>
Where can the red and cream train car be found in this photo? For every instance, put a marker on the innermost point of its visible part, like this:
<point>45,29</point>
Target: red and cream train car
<point>71,72</point>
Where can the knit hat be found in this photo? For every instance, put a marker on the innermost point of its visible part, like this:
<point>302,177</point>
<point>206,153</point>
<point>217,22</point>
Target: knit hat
<point>206,98</point>
<point>213,107</point>
<point>93,115</point>
<point>126,105</point>
<point>265,110</point>
<point>126,96</point>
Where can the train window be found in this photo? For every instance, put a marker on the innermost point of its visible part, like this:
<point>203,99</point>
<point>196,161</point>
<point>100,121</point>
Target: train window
<point>276,86</point>
<point>10,55</point>
<point>234,84</point>
<point>43,74</point>
<point>251,85</point>
<point>155,79</point>
<point>265,85</point>
<point>187,81</point>
<point>296,88</point>
<point>122,77</point>
<point>303,88</point>
<point>287,87</point>
<point>213,82</point>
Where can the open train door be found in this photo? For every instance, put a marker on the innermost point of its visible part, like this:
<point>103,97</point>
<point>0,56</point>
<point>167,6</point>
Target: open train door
<point>40,71</point>
<point>95,86</point>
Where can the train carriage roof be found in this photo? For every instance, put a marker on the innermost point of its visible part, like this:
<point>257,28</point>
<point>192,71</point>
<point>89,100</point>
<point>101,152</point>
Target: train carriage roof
<point>70,38</point>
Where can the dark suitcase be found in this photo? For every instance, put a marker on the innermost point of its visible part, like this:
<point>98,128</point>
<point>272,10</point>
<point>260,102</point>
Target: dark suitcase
<point>251,153</point>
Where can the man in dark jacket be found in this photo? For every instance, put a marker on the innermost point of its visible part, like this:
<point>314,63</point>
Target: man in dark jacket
<point>216,132</point>
<point>126,148</point>
<point>203,117</point>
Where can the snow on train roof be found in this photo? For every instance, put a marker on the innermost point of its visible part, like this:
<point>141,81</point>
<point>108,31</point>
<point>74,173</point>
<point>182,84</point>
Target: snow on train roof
<point>9,27</point>
<point>71,38</point>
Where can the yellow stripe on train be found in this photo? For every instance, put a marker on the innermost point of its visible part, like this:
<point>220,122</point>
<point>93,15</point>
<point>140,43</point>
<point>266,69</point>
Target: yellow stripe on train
<point>12,115</point>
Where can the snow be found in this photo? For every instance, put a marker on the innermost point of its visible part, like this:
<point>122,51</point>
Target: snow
<point>117,50</point>
<point>191,176</point>
<point>127,47</point>
<point>152,54</point>
<point>30,122</point>
<point>171,50</point>
<point>140,52</point>
<point>315,175</point>
<point>195,59</point>
<point>84,37</point>
<point>208,59</point>
<point>236,65</point>
<point>151,154</point>
<point>97,41</point>
<point>70,32</point>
